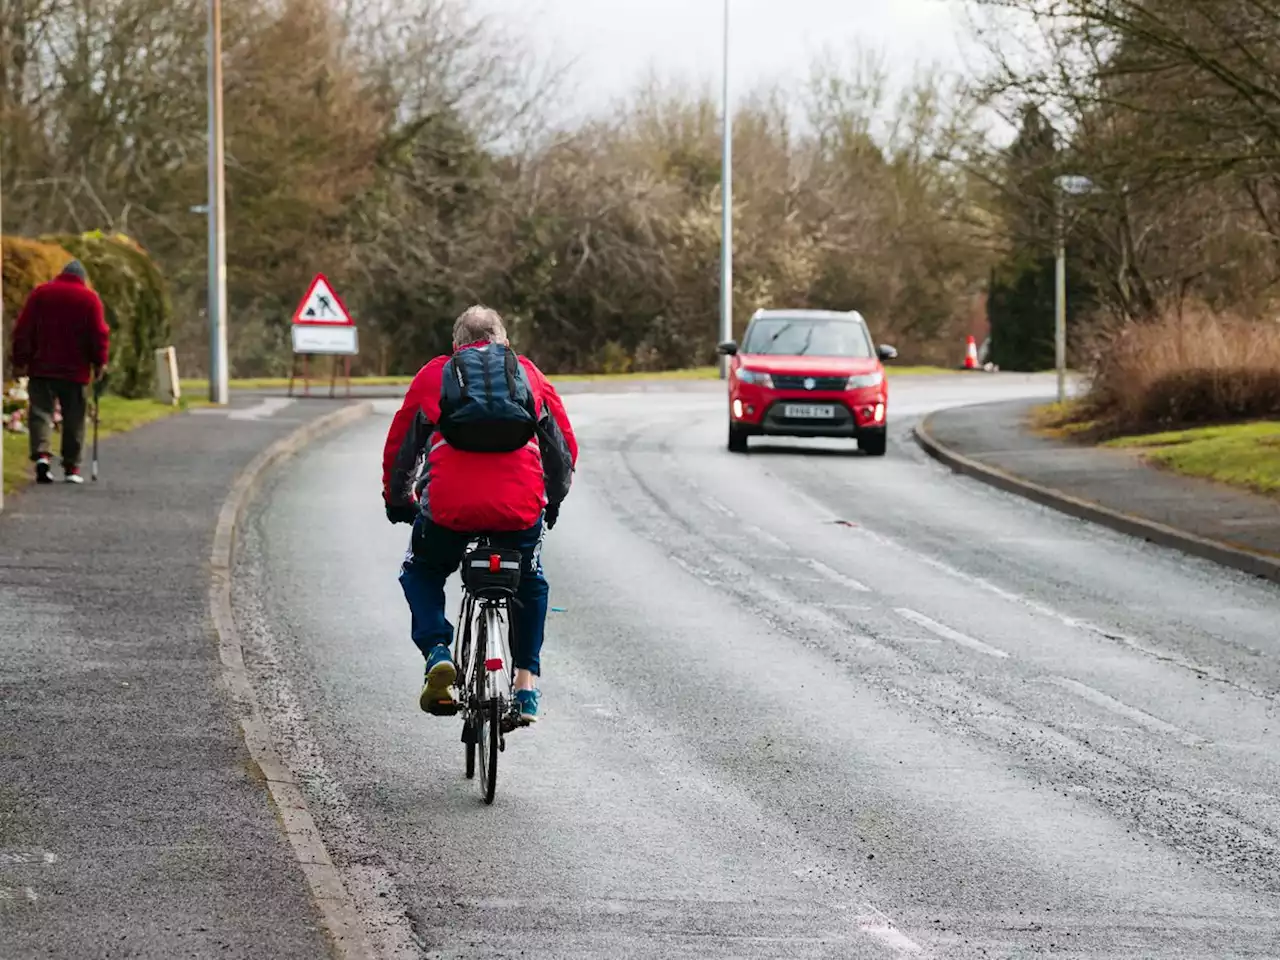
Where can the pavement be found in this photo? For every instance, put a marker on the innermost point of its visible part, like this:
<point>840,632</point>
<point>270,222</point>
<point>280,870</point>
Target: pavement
<point>800,703</point>
<point>132,821</point>
<point>996,435</point>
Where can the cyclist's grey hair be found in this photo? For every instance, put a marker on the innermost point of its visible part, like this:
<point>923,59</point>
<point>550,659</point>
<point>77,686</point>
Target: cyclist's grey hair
<point>479,323</point>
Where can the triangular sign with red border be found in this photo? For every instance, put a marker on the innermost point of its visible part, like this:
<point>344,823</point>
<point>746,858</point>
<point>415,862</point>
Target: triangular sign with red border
<point>322,305</point>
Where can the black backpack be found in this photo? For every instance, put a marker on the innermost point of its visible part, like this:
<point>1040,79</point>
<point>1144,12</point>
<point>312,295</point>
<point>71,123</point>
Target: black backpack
<point>486,404</point>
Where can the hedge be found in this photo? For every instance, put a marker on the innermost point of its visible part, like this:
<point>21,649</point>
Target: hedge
<point>135,300</point>
<point>27,264</point>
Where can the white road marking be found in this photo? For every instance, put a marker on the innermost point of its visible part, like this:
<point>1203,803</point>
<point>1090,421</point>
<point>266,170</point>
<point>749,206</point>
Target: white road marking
<point>766,536</point>
<point>1066,619</point>
<point>877,925</point>
<point>837,577</point>
<point>1140,717</point>
<point>14,893</point>
<point>717,506</point>
<point>269,407</point>
<point>692,570</point>
<point>942,630</point>
<point>33,856</point>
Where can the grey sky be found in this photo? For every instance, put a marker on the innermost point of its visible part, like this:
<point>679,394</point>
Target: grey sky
<point>615,42</point>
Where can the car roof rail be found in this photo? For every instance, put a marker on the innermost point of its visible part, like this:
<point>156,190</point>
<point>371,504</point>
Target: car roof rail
<point>798,312</point>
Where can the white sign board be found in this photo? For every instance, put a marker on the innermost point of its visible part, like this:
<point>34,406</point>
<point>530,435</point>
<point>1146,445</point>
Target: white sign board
<point>325,339</point>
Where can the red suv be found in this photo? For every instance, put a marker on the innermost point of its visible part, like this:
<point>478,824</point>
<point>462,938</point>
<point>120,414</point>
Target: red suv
<point>808,373</point>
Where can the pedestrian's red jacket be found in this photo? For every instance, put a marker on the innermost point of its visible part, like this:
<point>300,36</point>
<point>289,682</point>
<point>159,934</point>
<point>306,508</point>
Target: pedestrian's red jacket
<point>476,492</point>
<point>61,333</point>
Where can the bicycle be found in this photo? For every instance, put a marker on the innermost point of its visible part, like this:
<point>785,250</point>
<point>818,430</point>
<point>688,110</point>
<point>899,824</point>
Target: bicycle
<point>482,650</point>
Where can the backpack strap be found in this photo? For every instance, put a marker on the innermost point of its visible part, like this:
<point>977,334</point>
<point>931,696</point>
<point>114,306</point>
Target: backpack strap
<point>459,372</point>
<point>516,373</point>
<point>509,367</point>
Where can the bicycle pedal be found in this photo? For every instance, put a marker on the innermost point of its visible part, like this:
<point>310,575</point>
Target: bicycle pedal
<point>443,708</point>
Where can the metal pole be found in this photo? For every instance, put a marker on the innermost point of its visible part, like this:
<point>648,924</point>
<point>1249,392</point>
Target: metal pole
<point>2,324</point>
<point>218,376</point>
<point>1060,297</point>
<point>726,204</point>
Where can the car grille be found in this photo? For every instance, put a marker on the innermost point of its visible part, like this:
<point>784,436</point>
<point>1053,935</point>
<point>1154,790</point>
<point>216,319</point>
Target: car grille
<point>819,383</point>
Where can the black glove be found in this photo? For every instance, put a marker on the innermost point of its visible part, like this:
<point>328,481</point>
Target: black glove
<point>551,516</point>
<point>406,514</point>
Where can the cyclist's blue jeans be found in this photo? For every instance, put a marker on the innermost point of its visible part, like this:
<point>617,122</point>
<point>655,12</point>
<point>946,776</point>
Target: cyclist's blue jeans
<point>436,552</point>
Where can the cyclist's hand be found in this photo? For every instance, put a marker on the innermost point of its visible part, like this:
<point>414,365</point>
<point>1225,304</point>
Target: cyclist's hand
<point>552,515</point>
<point>402,514</point>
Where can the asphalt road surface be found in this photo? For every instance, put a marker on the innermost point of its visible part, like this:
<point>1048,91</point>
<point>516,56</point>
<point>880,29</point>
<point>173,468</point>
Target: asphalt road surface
<point>801,703</point>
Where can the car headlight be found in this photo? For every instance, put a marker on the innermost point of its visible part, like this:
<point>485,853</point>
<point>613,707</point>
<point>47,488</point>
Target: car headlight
<point>861,380</point>
<point>756,377</point>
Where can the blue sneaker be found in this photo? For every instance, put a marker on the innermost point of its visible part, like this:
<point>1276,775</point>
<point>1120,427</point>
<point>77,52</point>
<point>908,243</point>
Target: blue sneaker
<point>440,675</point>
<point>527,701</point>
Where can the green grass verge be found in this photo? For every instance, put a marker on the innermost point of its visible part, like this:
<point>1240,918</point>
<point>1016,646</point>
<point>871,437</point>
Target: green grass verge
<point>118,416</point>
<point>1063,421</point>
<point>1243,455</point>
<point>200,388</point>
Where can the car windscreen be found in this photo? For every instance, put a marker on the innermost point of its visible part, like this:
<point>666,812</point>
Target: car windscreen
<point>805,337</point>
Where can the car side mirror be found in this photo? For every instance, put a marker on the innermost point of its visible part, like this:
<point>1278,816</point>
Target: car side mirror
<point>887,352</point>
<point>728,349</point>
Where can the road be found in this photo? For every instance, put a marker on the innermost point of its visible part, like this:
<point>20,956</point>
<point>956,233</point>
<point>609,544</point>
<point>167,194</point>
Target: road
<point>799,704</point>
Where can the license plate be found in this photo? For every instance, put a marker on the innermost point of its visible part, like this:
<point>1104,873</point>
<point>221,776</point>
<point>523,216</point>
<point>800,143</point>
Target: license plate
<point>809,411</point>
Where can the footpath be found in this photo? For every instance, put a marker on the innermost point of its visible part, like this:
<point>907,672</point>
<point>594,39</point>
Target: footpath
<point>133,821</point>
<point>992,442</point>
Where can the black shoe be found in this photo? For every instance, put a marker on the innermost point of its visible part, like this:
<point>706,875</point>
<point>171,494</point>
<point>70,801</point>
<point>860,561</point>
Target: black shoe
<point>44,473</point>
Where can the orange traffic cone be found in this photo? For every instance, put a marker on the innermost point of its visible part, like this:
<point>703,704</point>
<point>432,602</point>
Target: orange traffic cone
<point>971,355</point>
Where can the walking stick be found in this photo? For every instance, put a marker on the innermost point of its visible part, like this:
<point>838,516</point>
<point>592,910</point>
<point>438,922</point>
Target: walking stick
<point>98,385</point>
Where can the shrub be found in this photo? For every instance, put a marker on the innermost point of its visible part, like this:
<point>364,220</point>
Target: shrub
<point>135,300</point>
<point>1184,369</point>
<point>27,264</point>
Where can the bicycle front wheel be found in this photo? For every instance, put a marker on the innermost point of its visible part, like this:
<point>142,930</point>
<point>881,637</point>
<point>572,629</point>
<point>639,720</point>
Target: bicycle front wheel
<point>468,690</point>
<point>490,735</point>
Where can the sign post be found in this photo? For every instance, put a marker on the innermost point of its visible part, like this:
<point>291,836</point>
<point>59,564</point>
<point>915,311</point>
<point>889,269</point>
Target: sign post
<point>322,325</point>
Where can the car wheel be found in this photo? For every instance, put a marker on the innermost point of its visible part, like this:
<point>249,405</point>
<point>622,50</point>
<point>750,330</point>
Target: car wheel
<point>737,439</point>
<point>873,442</point>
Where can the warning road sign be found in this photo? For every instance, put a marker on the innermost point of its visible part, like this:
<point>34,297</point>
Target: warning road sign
<point>322,305</point>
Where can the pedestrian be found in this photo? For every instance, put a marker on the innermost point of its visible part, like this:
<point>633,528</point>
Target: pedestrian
<point>60,341</point>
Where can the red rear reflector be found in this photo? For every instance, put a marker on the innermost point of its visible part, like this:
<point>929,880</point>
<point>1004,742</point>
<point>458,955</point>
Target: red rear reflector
<point>493,664</point>
<point>495,563</point>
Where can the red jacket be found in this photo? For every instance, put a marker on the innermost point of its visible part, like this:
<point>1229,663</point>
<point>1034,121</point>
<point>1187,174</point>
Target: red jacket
<point>61,333</point>
<point>476,492</point>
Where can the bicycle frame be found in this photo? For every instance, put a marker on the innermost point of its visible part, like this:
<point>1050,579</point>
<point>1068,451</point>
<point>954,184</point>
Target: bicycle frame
<point>481,621</point>
<point>484,646</point>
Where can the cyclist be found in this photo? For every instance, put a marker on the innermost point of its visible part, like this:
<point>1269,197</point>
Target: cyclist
<point>481,445</point>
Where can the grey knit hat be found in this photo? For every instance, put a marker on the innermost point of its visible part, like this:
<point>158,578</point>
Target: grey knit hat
<point>76,269</point>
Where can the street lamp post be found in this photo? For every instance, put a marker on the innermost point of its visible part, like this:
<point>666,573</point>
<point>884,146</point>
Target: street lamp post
<point>726,211</point>
<point>2,330</point>
<point>218,374</point>
<point>1074,186</point>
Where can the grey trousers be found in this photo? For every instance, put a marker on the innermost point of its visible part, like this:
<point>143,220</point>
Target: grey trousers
<point>74,400</point>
